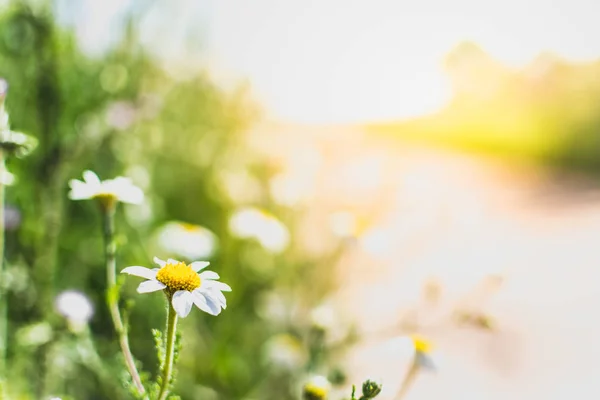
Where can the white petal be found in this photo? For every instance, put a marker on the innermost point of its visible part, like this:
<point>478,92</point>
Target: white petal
<point>159,262</point>
<point>134,195</point>
<point>121,182</point>
<point>212,302</point>
<point>208,275</point>
<point>219,296</point>
<point>425,361</point>
<point>202,303</point>
<point>171,261</point>
<point>76,183</point>
<point>142,272</point>
<point>81,190</point>
<point>91,177</point>
<point>182,302</point>
<point>150,286</point>
<point>125,190</point>
<point>209,284</point>
<point>7,178</point>
<point>199,265</point>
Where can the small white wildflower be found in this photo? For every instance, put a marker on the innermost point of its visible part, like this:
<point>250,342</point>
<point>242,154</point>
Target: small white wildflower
<point>328,318</point>
<point>262,226</point>
<point>7,178</point>
<point>117,189</point>
<point>316,388</point>
<point>423,349</point>
<point>183,285</point>
<point>75,307</point>
<point>417,348</point>
<point>189,241</point>
<point>324,316</point>
<point>285,351</point>
<point>14,138</point>
<point>12,142</point>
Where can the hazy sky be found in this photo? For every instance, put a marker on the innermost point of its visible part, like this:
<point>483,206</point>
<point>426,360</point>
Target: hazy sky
<point>352,60</point>
<point>344,60</point>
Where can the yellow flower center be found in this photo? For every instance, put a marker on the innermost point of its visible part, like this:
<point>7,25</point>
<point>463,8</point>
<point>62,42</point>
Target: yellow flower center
<point>178,276</point>
<point>188,227</point>
<point>314,392</point>
<point>421,345</point>
<point>107,200</point>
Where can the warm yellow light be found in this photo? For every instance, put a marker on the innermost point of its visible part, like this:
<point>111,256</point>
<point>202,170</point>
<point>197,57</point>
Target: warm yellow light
<point>340,61</point>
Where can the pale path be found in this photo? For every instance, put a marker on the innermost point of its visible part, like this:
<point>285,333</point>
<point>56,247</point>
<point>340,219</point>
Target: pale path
<point>499,240</point>
<point>485,236</point>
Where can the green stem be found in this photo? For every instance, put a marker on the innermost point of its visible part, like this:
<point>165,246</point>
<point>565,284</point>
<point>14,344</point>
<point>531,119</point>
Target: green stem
<point>112,294</point>
<point>409,379</point>
<point>3,294</point>
<point>167,371</point>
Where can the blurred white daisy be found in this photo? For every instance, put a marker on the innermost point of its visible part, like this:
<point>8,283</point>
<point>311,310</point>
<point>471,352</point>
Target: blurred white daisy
<point>7,178</point>
<point>423,349</point>
<point>417,348</point>
<point>316,388</point>
<point>16,143</point>
<point>183,285</point>
<point>75,307</point>
<point>187,240</point>
<point>285,351</point>
<point>117,189</point>
<point>250,222</point>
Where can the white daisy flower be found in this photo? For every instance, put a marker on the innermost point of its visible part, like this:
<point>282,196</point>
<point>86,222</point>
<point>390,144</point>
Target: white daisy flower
<point>423,349</point>
<point>75,306</point>
<point>183,285</point>
<point>117,189</point>
<point>7,178</point>
<point>187,240</point>
<point>285,351</point>
<point>316,388</point>
<point>249,222</point>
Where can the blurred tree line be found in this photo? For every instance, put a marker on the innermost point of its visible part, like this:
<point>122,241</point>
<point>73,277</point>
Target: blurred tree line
<point>121,114</point>
<point>547,112</point>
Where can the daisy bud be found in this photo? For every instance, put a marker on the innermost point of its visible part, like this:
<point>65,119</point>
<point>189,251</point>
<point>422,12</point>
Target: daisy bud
<point>370,389</point>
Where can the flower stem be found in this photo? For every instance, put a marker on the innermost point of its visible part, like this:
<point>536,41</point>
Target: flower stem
<point>3,294</point>
<point>112,295</point>
<point>167,371</point>
<point>409,379</point>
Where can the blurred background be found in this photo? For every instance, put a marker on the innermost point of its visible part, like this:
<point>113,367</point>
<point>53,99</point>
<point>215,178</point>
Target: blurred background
<point>356,171</point>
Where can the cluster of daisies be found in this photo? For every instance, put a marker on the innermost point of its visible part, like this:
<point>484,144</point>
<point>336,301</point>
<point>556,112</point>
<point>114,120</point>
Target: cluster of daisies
<point>184,284</point>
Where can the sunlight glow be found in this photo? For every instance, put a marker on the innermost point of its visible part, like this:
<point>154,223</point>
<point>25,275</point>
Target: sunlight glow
<point>354,61</point>
<point>343,61</point>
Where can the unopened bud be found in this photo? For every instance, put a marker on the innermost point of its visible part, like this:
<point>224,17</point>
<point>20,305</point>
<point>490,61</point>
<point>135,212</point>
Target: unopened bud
<point>370,389</point>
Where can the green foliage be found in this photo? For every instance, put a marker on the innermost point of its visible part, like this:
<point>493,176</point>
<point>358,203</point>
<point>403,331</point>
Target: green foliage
<point>121,114</point>
<point>370,390</point>
<point>159,345</point>
<point>545,113</point>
